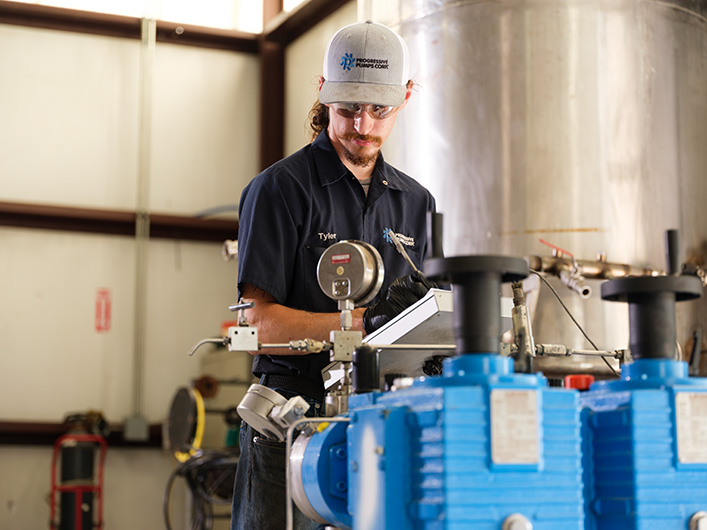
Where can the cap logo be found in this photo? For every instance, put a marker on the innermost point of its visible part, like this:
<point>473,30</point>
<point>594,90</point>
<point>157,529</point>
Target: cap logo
<point>347,61</point>
<point>365,62</point>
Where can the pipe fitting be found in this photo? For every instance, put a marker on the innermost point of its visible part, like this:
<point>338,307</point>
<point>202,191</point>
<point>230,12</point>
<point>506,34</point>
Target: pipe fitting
<point>576,282</point>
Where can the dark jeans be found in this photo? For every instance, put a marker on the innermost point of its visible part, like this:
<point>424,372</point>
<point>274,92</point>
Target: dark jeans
<point>259,492</point>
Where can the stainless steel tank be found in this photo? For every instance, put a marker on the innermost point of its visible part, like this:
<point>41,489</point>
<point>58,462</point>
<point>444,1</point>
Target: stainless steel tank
<point>579,122</point>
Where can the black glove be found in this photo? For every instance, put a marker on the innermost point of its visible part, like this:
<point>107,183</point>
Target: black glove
<point>401,294</point>
<point>433,365</point>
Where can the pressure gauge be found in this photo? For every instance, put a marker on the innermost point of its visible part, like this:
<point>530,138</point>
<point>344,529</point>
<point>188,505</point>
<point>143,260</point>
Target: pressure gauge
<point>351,270</point>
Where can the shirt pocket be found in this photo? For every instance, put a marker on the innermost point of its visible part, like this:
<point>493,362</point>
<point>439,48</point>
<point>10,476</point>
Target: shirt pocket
<point>315,299</point>
<point>396,265</point>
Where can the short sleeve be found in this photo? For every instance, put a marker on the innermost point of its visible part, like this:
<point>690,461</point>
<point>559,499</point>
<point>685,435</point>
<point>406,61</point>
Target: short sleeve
<point>270,213</point>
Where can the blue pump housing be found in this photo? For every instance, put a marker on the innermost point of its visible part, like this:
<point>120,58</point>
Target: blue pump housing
<point>462,451</point>
<point>645,443</point>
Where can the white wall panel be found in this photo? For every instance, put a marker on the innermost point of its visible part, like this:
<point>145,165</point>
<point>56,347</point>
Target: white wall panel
<point>25,487</point>
<point>206,115</point>
<point>68,133</point>
<point>55,362</point>
<point>190,287</point>
<point>70,107</point>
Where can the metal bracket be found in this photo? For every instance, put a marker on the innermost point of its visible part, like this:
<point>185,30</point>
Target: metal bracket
<point>344,344</point>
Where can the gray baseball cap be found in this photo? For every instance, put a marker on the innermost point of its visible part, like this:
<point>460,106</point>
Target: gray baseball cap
<point>365,63</point>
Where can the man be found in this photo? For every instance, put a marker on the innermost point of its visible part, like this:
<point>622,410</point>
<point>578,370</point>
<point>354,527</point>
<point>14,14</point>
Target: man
<point>336,188</point>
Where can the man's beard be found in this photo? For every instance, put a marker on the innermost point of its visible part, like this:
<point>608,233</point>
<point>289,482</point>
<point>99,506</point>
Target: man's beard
<point>362,160</point>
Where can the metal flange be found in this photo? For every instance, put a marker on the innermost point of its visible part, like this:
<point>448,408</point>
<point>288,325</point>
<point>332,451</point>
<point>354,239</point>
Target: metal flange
<point>651,310</point>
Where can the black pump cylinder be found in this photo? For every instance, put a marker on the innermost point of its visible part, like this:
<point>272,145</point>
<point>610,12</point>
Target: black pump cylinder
<point>651,310</point>
<point>477,313</point>
<point>476,286</point>
<point>434,235</point>
<point>366,370</point>
<point>672,252</point>
<point>652,323</point>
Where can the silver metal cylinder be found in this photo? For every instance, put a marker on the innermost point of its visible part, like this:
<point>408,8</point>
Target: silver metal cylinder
<point>581,122</point>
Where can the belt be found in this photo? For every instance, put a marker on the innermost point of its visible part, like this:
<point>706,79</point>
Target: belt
<point>294,384</point>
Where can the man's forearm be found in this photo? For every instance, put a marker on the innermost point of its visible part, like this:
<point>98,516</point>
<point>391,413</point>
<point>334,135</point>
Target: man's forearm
<point>280,324</point>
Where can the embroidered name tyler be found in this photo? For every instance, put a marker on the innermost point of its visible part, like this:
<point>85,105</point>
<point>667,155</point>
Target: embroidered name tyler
<point>326,236</point>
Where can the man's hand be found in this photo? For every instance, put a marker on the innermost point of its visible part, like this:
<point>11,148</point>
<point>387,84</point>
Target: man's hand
<point>401,294</point>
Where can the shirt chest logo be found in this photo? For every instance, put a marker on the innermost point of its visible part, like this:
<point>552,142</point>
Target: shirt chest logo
<point>408,241</point>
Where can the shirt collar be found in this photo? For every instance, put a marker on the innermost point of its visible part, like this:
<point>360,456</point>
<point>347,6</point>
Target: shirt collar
<point>329,165</point>
<point>331,169</point>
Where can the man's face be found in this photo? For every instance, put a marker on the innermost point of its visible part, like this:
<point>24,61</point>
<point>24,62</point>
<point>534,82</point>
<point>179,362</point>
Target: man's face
<point>359,138</point>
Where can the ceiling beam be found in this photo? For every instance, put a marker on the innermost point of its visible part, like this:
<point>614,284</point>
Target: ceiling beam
<point>114,222</point>
<point>45,433</point>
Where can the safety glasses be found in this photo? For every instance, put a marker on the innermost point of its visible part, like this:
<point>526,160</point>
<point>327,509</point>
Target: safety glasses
<point>354,110</point>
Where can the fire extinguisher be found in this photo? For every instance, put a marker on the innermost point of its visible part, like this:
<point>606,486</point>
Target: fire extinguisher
<point>81,453</point>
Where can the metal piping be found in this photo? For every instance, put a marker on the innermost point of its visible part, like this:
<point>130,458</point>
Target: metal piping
<point>595,270</point>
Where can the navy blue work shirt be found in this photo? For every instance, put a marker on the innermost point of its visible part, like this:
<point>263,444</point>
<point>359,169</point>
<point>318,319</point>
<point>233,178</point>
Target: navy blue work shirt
<point>291,212</point>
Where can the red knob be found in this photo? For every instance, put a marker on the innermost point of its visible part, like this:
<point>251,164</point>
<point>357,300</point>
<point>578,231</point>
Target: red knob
<point>579,381</point>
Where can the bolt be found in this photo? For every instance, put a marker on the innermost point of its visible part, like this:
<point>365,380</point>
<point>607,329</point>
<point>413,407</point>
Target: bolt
<point>517,521</point>
<point>698,521</point>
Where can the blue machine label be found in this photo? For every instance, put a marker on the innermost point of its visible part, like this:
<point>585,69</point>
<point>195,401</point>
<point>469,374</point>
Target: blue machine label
<point>514,427</point>
<point>691,426</point>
